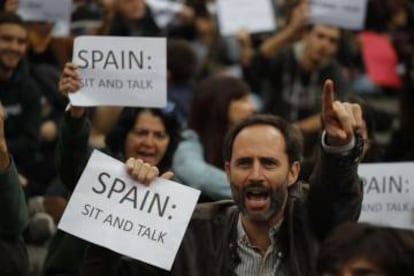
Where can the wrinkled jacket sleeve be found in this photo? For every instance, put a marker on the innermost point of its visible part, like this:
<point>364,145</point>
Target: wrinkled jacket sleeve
<point>73,149</point>
<point>192,169</point>
<point>13,211</point>
<point>336,193</point>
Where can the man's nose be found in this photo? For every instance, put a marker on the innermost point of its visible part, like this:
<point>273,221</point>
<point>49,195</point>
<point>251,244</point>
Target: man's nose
<point>15,45</point>
<point>256,172</point>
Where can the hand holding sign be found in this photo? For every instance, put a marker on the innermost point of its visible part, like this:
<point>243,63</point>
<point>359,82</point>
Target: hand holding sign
<point>299,17</point>
<point>341,119</point>
<point>69,82</point>
<point>143,172</point>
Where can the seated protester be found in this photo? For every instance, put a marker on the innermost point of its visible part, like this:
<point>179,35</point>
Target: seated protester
<point>20,95</point>
<point>148,134</point>
<point>218,103</point>
<point>274,225</point>
<point>13,213</point>
<point>290,73</point>
<point>356,249</point>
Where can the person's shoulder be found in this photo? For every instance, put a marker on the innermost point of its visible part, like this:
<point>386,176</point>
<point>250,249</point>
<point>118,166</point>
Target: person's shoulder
<point>189,134</point>
<point>299,191</point>
<point>214,210</point>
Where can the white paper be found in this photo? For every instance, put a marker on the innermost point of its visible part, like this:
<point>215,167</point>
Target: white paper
<point>57,11</point>
<point>388,194</point>
<point>347,14</point>
<point>122,71</point>
<point>252,15</point>
<point>144,223</point>
<point>164,11</point>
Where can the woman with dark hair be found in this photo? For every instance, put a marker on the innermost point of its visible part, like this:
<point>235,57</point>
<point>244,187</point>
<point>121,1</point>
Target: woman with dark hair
<point>218,102</point>
<point>131,136</point>
<point>149,134</point>
<point>362,249</point>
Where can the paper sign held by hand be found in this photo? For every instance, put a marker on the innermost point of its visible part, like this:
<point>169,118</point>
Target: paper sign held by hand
<point>347,14</point>
<point>56,11</point>
<point>252,15</point>
<point>388,194</point>
<point>145,223</point>
<point>121,71</point>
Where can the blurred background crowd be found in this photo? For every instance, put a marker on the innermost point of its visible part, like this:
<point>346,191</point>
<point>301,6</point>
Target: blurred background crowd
<point>212,82</point>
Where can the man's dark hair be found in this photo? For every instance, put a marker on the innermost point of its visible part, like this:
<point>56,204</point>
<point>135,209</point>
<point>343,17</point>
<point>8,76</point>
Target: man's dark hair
<point>11,18</point>
<point>390,250</point>
<point>291,134</point>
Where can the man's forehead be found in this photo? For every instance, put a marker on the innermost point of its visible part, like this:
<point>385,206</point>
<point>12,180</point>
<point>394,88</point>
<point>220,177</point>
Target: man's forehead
<point>13,28</point>
<point>255,138</point>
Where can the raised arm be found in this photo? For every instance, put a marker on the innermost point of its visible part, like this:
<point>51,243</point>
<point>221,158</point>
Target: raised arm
<point>13,211</point>
<point>335,188</point>
<point>73,150</point>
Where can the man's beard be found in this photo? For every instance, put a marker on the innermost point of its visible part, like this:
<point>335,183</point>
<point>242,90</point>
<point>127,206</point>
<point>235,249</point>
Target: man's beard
<point>277,197</point>
<point>9,66</point>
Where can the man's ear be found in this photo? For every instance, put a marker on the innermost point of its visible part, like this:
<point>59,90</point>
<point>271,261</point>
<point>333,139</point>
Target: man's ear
<point>227,170</point>
<point>293,173</point>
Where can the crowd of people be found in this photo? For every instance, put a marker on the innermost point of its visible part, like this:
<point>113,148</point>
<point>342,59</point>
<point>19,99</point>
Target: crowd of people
<point>270,127</point>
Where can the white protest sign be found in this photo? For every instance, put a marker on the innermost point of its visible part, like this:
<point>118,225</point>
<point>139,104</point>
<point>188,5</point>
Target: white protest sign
<point>388,194</point>
<point>252,15</point>
<point>164,11</point>
<point>122,71</point>
<point>57,11</point>
<point>348,14</point>
<point>109,209</point>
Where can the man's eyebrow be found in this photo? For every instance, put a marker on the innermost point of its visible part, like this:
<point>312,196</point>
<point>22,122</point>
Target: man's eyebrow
<point>243,159</point>
<point>269,158</point>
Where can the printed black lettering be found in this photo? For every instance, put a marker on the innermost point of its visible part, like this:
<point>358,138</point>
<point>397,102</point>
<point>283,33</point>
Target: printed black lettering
<point>84,59</point>
<point>97,56</point>
<point>114,187</point>
<point>101,181</point>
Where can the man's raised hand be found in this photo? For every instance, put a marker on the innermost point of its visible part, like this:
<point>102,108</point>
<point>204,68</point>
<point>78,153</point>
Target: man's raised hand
<point>341,119</point>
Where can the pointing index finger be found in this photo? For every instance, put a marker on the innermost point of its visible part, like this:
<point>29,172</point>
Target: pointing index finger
<point>328,96</point>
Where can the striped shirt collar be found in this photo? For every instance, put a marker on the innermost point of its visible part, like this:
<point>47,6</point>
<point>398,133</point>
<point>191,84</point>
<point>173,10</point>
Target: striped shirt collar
<point>242,236</point>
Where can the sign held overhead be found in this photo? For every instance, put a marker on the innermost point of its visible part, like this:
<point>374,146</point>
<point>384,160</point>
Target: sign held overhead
<point>123,71</point>
<point>347,14</point>
<point>252,15</point>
